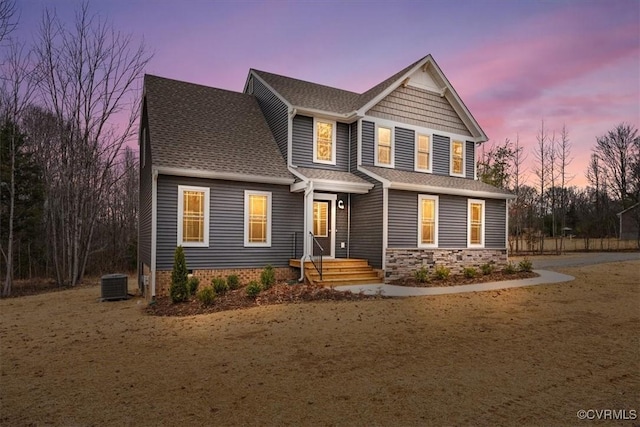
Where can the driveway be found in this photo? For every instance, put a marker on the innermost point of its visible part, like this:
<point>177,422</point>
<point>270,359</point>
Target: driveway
<point>581,259</point>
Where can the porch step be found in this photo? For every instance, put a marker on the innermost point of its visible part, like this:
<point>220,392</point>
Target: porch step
<point>341,271</point>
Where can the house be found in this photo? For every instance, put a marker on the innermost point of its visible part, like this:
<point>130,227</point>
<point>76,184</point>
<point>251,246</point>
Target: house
<point>630,223</point>
<point>290,171</point>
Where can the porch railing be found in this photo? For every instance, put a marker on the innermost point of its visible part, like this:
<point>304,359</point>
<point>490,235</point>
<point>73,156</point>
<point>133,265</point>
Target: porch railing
<point>297,244</point>
<point>317,262</point>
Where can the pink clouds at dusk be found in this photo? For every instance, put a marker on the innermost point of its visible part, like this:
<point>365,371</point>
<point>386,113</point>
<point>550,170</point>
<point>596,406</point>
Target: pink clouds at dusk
<point>514,63</point>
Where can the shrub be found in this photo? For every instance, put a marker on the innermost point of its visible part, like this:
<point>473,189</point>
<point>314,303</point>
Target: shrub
<point>219,285</point>
<point>442,272</point>
<point>509,268</point>
<point>206,295</point>
<point>487,268</point>
<point>233,281</point>
<point>178,290</point>
<point>525,265</point>
<point>253,289</point>
<point>268,277</point>
<point>470,272</point>
<point>192,285</point>
<point>422,275</point>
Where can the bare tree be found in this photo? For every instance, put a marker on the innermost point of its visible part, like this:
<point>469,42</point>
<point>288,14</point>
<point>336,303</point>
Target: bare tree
<point>517,207</point>
<point>542,158</point>
<point>90,78</point>
<point>565,159</point>
<point>8,19</point>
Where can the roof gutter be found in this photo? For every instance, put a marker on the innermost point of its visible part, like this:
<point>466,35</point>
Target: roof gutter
<point>227,176</point>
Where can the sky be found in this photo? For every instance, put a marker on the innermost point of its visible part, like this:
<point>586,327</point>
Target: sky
<point>514,63</point>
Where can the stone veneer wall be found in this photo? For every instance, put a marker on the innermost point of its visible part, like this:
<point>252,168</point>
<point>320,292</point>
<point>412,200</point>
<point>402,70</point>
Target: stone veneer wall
<point>404,262</point>
<point>163,278</point>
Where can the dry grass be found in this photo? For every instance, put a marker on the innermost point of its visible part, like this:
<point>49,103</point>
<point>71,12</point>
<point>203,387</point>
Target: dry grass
<point>527,356</point>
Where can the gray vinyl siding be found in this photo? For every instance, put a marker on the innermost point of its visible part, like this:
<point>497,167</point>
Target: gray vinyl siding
<point>342,226</point>
<point>353,162</point>
<point>452,218</point>
<point>495,218</point>
<point>368,142</point>
<point>275,113</point>
<point>404,149</point>
<point>226,225</point>
<point>441,152</point>
<point>419,107</point>
<point>470,159</point>
<point>302,145</point>
<point>403,219</point>
<point>366,226</point>
<point>145,198</point>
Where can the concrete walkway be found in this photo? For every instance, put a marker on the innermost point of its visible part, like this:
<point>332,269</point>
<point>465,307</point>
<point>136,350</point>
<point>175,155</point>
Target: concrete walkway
<point>407,291</point>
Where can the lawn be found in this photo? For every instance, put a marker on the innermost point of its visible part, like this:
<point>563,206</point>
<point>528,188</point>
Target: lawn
<point>526,356</point>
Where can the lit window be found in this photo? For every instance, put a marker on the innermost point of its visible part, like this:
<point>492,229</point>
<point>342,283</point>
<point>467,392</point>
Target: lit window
<point>193,216</point>
<point>428,221</point>
<point>324,142</point>
<point>476,223</point>
<point>457,158</point>
<point>423,153</point>
<point>320,219</point>
<point>384,145</point>
<point>257,218</point>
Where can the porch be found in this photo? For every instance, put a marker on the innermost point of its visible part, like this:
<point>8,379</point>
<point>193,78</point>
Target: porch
<point>338,271</point>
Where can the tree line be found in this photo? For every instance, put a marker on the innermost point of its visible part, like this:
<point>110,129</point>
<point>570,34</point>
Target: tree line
<point>69,104</point>
<point>547,205</point>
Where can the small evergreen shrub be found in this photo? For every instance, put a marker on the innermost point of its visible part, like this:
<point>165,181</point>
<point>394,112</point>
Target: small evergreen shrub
<point>192,285</point>
<point>509,268</point>
<point>219,285</point>
<point>422,275</point>
<point>470,272</point>
<point>233,281</point>
<point>442,272</point>
<point>178,290</point>
<point>268,277</point>
<point>487,269</point>
<point>525,265</point>
<point>253,289</point>
<point>206,295</point>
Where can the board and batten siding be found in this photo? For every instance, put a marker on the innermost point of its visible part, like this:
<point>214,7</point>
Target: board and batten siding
<point>366,226</point>
<point>470,160</point>
<point>302,145</point>
<point>145,198</point>
<point>419,107</point>
<point>441,153</point>
<point>495,227</point>
<point>404,149</point>
<point>275,113</point>
<point>226,225</point>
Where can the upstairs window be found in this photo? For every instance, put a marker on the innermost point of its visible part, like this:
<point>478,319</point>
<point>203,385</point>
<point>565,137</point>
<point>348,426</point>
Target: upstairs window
<point>193,216</point>
<point>428,221</point>
<point>324,142</point>
<point>257,218</point>
<point>457,158</point>
<point>423,153</point>
<point>384,146</point>
<point>475,230</point>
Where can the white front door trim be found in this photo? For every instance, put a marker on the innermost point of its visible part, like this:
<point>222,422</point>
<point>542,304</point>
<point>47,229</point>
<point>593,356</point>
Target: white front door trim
<point>332,227</point>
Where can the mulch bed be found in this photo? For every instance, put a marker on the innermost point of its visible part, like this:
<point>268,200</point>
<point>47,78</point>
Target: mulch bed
<point>238,299</point>
<point>458,279</point>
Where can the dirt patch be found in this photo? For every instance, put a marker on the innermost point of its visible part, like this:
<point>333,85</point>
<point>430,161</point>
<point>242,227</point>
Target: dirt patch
<point>522,356</point>
<point>459,279</point>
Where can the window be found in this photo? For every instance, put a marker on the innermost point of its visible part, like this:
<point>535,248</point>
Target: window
<point>457,158</point>
<point>427,221</point>
<point>324,142</point>
<point>423,153</point>
<point>193,216</point>
<point>476,223</point>
<point>320,219</point>
<point>257,218</point>
<point>384,146</point>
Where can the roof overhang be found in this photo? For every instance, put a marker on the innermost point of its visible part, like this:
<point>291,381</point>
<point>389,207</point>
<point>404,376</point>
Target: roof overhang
<point>226,176</point>
<point>332,186</point>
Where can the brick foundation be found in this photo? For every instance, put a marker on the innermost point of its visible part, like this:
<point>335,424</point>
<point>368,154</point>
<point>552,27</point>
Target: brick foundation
<point>404,262</point>
<point>163,278</point>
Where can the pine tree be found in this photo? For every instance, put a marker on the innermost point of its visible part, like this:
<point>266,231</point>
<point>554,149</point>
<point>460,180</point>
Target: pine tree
<point>179,277</point>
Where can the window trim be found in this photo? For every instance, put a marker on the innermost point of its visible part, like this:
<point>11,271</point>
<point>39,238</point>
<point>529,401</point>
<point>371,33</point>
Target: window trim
<point>482,225</point>
<point>180,222</point>
<point>392,150</point>
<point>416,152</point>
<point>464,155</point>
<point>333,141</point>
<point>247,195</point>
<point>436,199</point>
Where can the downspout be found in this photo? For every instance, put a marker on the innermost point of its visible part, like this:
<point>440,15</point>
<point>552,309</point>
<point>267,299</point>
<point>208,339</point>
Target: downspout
<point>349,202</point>
<point>154,230</point>
<point>308,192</point>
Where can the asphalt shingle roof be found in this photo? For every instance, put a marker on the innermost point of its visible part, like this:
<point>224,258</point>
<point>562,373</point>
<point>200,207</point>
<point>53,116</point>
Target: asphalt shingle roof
<point>431,180</point>
<point>204,128</point>
<point>331,175</point>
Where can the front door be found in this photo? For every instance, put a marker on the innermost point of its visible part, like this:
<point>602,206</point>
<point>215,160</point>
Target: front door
<point>322,228</point>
